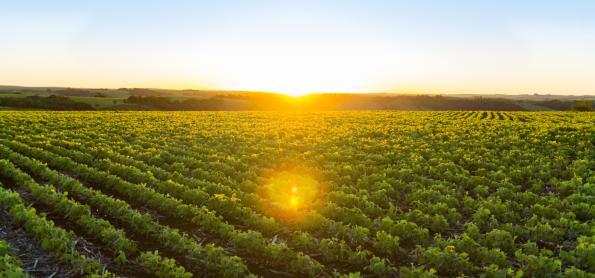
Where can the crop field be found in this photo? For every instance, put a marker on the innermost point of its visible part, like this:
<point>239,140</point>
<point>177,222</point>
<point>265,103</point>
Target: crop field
<point>297,194</point>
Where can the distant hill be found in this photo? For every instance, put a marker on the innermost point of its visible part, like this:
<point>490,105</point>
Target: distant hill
<point>165,99</point>
<point>532,97</point>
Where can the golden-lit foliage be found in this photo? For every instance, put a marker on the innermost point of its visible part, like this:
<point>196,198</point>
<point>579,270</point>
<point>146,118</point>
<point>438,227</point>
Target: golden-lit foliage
<point>291,195</point>
<point>311,194</point>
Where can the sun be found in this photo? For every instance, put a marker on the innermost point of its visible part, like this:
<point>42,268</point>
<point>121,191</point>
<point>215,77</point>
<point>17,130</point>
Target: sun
<point>295,70</point>
<point>295,93</point>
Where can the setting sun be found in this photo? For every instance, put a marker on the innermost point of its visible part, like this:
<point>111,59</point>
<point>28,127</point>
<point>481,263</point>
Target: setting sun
<point>297,70</point>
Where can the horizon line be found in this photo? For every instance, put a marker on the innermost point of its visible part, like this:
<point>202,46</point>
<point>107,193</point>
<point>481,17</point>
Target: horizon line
<point>305,94</point>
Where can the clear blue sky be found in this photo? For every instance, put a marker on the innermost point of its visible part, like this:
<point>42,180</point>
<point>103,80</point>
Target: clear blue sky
<point>302,46</point>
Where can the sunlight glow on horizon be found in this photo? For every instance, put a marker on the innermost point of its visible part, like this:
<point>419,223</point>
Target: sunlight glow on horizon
<point>301,48</point>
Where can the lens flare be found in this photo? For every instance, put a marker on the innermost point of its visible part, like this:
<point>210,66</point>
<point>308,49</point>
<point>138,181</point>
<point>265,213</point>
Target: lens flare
<point>293,201</point>
<point>290,196</point>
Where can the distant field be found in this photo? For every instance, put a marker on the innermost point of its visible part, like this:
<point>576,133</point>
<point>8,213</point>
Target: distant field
<point>533,107</point>
<point>100,102</point>
<point>276,194</point>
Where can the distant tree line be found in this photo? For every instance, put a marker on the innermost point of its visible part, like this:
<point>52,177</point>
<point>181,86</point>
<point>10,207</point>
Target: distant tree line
<point>563,105</point>
<point>371,102</point>
<point>52,102</point>
<point>554,104</point>
<point>423,102</point>
<point>583,105</point>
<point>143,92</point>
<point>70,92</point>
<point>164,103</point>
<point>264,101</point>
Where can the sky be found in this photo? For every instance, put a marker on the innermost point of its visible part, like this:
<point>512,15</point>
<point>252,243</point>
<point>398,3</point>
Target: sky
<point>298,47</point>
